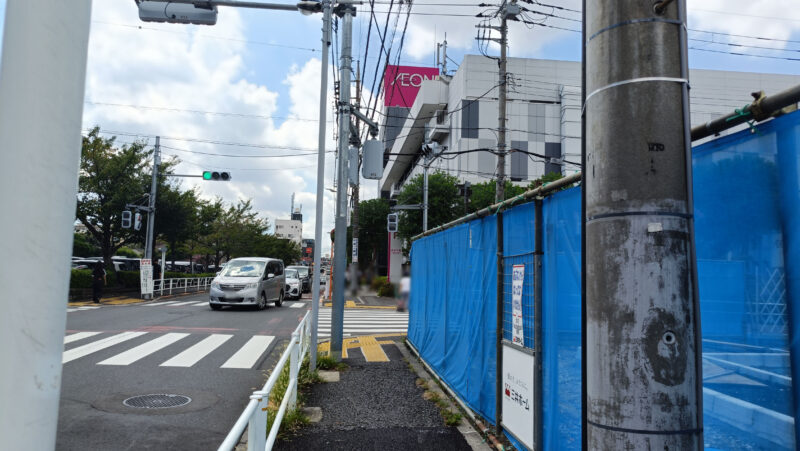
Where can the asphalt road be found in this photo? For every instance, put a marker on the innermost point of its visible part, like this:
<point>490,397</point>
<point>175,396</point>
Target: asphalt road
<point>216,358</point>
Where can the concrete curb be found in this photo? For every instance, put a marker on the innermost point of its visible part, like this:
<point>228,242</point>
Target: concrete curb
<point>138,301</point>
<point>473,437</point>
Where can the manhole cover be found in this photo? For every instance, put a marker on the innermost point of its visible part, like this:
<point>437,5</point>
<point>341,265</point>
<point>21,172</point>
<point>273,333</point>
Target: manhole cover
<point>157,401</point>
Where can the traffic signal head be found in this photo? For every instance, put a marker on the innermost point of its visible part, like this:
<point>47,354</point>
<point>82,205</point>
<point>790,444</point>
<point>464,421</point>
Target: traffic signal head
<point>126,219</point>
<point>216,176</point>
<point>391,222</point>
<point>137,221</point>
<point>164,11</point>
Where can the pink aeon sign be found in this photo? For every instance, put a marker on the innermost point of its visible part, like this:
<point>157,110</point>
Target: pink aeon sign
<point>401,83</point>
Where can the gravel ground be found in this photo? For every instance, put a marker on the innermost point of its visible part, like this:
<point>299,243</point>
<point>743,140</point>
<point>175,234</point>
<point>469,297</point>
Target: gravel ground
<point>375,406</point>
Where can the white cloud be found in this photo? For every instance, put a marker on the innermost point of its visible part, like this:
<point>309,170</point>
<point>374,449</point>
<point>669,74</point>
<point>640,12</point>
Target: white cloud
<point>179,68</point>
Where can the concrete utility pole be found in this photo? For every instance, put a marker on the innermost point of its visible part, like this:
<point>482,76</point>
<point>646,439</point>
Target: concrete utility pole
<point>356,138</point>
<point>642,353</point>
<point>340,243</point>
<point>323,101</point>
<point>151,213</point>
<point>499,194</point>
<point>42,79</point>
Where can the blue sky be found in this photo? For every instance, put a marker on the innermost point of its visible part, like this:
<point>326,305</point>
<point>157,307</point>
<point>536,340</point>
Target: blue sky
<point>263,66</point>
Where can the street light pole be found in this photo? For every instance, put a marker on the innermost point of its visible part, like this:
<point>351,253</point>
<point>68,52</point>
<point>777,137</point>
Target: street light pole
<point>340,243</point>
<point>151,213</point>
<point>323,100</point>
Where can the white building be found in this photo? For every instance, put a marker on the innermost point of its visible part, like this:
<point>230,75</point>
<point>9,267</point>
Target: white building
<point>290,229</point>
<point>543,118</point>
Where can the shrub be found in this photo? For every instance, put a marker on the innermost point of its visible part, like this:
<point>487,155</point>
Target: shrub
<point>378,282</point>
<point>128,279</point>
<point>386,290</point>
<point>80,278</point>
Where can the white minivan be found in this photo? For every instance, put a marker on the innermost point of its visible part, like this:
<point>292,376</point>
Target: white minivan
<point>253,281</point>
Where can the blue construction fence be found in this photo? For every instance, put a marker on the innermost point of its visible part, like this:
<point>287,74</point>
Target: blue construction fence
<point>747,210</point>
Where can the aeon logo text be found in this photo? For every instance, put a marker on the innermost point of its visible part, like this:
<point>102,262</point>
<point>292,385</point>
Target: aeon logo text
<point>415,80</point>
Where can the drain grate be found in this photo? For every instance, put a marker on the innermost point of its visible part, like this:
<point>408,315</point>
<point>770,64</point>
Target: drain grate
<point>157,401</point>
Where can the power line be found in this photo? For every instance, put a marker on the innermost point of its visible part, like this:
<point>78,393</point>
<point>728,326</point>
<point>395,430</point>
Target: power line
<point>196,111</point>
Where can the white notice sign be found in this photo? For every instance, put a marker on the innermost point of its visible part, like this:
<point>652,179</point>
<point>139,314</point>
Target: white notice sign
<point>517,280</point>
<point>355,250</point>
<point>146,276</point>
<point>518,394</point>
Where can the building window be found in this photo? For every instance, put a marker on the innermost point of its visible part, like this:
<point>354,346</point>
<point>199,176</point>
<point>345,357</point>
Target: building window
<point>469,118</point>
<point>519,161</point>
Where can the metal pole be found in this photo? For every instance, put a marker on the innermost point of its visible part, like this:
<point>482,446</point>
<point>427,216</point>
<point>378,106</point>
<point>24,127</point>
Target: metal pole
<point>425,195</point>
<point>501,106</point>
<point>42,79</point>
<point>538,297</point>
<point>323,100</point>
<point>498,398</point>
<point>643,389</point>
<point>340,245</point>
<point>151,214</point>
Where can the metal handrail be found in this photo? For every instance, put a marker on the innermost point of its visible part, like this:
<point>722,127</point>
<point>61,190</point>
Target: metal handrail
<point>254,415</point>
<point>185,283</point>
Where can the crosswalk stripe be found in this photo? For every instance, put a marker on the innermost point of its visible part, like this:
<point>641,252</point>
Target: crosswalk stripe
<point>193,355</point>
<point>249,354</point>
<point>183,303</point>
<point>79,336</point>
<point>70,310</point>
<point>198,304</point>
<point>161,304</point>
<point>144,349</point>
<point>297,305</point>
<point>98,345</point>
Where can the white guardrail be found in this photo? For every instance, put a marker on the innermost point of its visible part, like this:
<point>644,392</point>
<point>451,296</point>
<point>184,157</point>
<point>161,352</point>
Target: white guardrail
<point>181,285</point>
<point>254,416</point>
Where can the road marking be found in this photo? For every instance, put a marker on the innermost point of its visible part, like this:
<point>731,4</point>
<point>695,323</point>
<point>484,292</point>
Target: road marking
<point>79,336</point>
<point>144,349</point>
<point>183,303</point>
<point>373,352</point>
<point>200,303</point>
<point>193,355</point>
<point>98,345</point>
<point>249,354</point>
<point>297,305</point>
<point>160,304</point>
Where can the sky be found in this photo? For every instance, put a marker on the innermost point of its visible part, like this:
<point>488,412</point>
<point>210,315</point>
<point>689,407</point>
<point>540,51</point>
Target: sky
<point>243,95</point>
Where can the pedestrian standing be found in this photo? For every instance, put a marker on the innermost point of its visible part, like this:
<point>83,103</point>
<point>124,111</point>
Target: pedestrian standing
<point>405,291</point>
<point>98,281</point>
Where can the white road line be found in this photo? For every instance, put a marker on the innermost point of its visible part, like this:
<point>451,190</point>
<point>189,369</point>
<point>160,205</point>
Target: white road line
<point>160,304</point>
<point>88,308</point>
<point>70,310</point>
<point>198,304</point>
<point>98,345</point>
<point>249,354</point>
<point>201,349</point>
<point>144,349</point>
<point>297,305</point>
<point>79,336</point>
<point>183,303</point>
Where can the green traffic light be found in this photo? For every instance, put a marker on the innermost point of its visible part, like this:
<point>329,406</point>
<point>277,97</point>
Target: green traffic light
<point>206,175</point>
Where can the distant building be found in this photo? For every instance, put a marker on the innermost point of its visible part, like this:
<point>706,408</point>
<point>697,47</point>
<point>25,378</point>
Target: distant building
<point>289,229</point>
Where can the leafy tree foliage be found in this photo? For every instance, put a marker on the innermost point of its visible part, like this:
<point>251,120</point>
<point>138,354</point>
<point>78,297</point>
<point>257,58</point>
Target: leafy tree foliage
<point>372,234</point>
<point>483,194</point>
<point>443,203</point>
<point>84,245</point>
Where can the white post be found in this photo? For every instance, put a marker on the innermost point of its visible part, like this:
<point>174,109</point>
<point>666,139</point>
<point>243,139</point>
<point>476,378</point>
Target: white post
<point>162,266</point>
<point>42,79</point>
<point>294,367</point>
<point>257,427</point>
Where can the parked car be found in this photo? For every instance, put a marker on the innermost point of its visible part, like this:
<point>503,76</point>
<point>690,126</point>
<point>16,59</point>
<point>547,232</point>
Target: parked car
<point>305,276</point>
<point>293,289</point>
<point>252,281</point>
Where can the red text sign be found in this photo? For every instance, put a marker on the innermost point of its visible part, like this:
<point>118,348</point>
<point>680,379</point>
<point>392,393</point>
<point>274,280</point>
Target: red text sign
<point>401,84</point>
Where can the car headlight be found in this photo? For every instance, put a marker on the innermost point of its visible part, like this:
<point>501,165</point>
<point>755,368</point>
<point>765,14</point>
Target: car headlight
<point>215,285</point>
<point>251,285</point>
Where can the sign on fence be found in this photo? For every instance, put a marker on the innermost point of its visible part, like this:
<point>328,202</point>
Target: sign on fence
<point>146,276</point>
<point>518,394</point>
<point>517,280</point>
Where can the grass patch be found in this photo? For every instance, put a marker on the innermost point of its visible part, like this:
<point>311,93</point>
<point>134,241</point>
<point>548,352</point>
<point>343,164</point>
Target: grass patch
<point>328,363</point>
<point>451,417</point>
<point>294,419</point>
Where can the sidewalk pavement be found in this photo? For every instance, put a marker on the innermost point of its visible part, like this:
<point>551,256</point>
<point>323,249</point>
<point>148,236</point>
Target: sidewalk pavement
<point>382,406</point>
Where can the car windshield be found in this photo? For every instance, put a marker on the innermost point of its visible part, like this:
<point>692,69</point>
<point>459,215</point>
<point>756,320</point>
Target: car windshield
<point>244,268</point>
<point>291,274</point>
<point>303,271</point>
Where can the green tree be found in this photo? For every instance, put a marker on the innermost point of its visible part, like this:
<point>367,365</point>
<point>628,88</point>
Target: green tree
<point>125,251</point>
<point>176,218</point>
<point>268,245</point>
<point>443,203</point>
<point>545,179</point>
<point>483,194</point>
<point>372,234</point>
<point>84,245</point>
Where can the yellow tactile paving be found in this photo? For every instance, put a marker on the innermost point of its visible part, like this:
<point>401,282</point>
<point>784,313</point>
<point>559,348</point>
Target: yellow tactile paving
<point>372,350</point>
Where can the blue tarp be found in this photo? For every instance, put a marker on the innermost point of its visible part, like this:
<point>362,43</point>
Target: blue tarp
<point>747,210</point>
